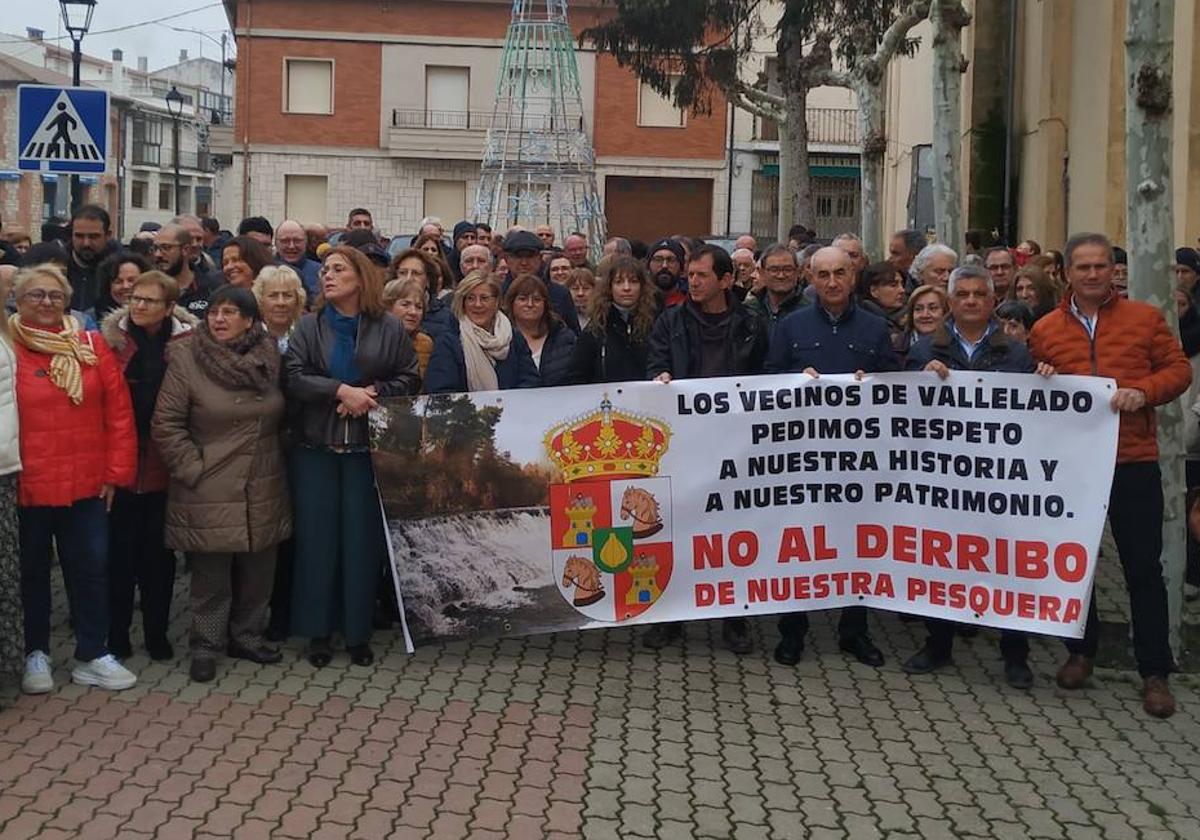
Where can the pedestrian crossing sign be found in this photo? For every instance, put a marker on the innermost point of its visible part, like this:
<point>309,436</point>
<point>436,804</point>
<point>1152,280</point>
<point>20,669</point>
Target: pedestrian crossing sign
<point>62,129</point>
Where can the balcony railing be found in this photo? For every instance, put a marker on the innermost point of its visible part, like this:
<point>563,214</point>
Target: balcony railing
<point>474,120</point>
<point>831,126</point>
<point>152,155</point>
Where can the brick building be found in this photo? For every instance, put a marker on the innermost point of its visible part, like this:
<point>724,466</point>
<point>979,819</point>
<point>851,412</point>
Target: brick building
<point>387,105</point>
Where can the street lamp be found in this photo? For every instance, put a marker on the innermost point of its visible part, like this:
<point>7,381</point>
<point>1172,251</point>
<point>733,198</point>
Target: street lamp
<point>175,108</point>
<point>77,18</point>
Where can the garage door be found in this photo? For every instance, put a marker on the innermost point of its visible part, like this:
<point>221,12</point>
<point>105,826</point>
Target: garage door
<point>651,208</point>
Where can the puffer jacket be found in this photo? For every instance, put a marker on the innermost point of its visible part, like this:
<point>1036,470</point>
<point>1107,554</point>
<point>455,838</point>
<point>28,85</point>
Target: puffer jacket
<point>554,366</point>
<point>10,442</point>
<point>152,475</point>
<point>68,451</point>
<point>1133,345</point>
<point>228,491</point>
<point>384,355</point>
<point>996,353</point>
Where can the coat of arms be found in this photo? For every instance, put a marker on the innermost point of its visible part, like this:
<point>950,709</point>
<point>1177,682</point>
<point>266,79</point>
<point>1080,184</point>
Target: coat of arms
<point>610,521</point>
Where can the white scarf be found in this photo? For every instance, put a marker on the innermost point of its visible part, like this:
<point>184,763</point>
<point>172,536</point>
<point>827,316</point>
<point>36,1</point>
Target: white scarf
<point>482,349</point>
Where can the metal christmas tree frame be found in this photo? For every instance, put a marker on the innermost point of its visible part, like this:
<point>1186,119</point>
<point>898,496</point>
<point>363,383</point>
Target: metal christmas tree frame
<point>538,164</point>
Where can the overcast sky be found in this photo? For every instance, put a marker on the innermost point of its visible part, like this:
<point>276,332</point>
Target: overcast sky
<point>157,41</point>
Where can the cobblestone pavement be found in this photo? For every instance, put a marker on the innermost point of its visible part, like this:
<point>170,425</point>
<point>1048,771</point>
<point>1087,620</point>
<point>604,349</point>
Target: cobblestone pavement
<point>588,734</point>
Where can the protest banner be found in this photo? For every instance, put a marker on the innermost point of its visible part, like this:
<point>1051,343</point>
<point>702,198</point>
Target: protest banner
<point>980,498</point>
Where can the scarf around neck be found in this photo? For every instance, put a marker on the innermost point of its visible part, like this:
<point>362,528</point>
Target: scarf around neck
<point>250,362</point>
<point>345,338</point>
<point>483,349</point>
<point>69,354</point>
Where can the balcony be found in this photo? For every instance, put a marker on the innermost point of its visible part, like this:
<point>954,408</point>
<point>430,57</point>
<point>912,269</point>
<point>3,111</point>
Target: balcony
<point>145,154</point>
<point>826,127</point>
<point>455,135</point>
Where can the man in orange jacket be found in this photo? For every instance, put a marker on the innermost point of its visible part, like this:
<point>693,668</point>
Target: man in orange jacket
<point>1096,331</point>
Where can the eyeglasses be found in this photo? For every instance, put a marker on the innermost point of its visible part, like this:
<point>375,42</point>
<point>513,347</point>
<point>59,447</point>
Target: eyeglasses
<point>479,299</point>
<point>41,296</point>
<point>670,260</point>
<point>168,246</point>
<point>145,301</point>
<point>780,270</point>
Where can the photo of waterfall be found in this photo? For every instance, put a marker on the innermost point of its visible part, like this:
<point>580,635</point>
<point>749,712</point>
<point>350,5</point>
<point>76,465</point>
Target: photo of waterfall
<point>467,521</point>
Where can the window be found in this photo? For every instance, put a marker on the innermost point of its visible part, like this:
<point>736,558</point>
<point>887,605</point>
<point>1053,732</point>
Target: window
<point>304,198</point>
<point>185,198</point>
<point>147,140</point>
<point>446,199</point>
<point>656,110</point>
<point>137,193</point>
<point>768,129</point>
<point>309,86</point>
<point>164,195</point>
<point>447,97</point>
<point>203,201</point>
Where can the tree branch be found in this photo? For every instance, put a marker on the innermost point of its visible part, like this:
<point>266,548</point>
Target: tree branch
<point>757,110</point>
<point>895,35</point>
<point>832,78</point>
<point>759,96</point>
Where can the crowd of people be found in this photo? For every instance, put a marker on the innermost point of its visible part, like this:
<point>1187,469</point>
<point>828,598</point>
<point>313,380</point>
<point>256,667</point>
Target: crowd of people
<point>202,392</point>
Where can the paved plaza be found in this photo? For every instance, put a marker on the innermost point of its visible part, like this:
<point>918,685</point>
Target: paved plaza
<point>589,735</point>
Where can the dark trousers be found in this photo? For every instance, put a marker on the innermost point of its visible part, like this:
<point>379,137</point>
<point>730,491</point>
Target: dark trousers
<point>339,535</point>
<point>81,534</point>
<point>851,625</point>
<point>1135,512</point>
<point>281,592</point>
<point>1014,645</point>
<point>136,557</point>
<point>230,593</point>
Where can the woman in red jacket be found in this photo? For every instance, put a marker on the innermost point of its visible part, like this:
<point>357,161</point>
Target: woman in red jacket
<point>78,443</point>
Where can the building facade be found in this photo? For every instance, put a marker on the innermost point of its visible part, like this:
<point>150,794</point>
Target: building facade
<point>139,184</point>
<point>387,105</point>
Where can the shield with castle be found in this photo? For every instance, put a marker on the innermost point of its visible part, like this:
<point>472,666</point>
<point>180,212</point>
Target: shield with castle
<point>610,518</point>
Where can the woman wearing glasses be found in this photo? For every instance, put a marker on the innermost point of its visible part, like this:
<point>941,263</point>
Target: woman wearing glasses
<point>217,425</point>
<point>142,334</point>
<point>484,353</point>
<point>78,444</point>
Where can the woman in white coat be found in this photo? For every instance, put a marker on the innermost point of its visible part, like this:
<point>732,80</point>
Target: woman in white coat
<point>12,644</point>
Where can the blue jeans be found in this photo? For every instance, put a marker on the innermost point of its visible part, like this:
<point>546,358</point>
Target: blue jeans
<point>81,534</point>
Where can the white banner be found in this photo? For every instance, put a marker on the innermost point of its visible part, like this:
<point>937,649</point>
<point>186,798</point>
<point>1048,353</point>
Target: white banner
<point>980,499</point>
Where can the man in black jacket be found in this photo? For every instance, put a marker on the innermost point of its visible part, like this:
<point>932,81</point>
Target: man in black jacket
<point>709,334</point>
<point>833,336</point>
<point>523,253</point>
<point>91,230</point>
<point>971,339</point>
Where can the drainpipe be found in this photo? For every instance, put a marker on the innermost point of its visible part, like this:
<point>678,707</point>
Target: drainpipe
<point>246,111</point>
<point>729,188</point>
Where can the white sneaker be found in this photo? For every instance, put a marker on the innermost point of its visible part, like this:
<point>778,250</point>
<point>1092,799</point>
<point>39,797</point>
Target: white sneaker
<point>105,672</point>
<point>39,676</point>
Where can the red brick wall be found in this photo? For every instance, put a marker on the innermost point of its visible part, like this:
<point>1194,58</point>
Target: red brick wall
<point>618,134</point>
<point>356,79</point>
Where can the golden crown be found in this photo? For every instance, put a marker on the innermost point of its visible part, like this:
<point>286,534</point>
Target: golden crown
<point>607,444</point>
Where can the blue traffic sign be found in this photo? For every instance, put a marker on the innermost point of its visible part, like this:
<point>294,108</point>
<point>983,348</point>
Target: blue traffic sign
<point>62,129</point>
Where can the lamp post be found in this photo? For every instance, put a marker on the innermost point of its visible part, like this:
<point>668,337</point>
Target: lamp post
<point>175,108</point>
<point>77,19</point>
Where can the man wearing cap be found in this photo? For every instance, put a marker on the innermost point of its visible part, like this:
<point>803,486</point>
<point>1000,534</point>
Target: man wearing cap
<point>523,253</point>
<point>463,236</point>
<point>666,262</point>
<point>1120,273</point>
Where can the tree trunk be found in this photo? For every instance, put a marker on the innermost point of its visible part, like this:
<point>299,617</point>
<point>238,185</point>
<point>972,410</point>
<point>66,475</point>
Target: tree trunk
<point>1148,36</point>
<point>948,18</point>
<point>795,185</point>
<point>874,145</point>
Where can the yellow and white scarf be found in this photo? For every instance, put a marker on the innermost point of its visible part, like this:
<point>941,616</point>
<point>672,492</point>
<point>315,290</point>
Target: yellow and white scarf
<point>66,349</point>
